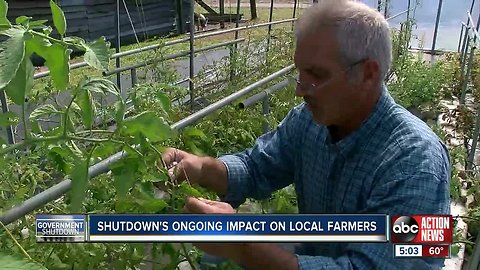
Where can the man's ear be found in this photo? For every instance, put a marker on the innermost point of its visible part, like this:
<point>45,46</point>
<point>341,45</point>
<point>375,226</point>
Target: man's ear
<point>371,73</point>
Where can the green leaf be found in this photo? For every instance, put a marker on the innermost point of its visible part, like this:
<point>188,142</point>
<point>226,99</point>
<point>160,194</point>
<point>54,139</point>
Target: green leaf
<point>3,13</point>
<point>37,45</point>
<point>164,101</point>
<point>147,123</point>
<point>37,23</point>
<point>79,177</point>
<point>36,128</point>
<point>22,19</point>
<point>124,175</point>
<point>46,109</point>
<point>58,18</point>
<point>188,190</point>
<point>194,132</point>
<point>455,249</point>
<point>153,205</point>
<point>97,54</point>
<point>119,112</point>
<point>8,119</point>
<point>99,85</point>
<point>21,85</point>
<point>12,52</point>
<point>76,40</point>
<point>56,59</point>
<point>105,149</point>
<point>9,262</point>
<point>87,106</point>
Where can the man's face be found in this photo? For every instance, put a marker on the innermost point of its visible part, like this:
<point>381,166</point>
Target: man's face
<point>317,60</point>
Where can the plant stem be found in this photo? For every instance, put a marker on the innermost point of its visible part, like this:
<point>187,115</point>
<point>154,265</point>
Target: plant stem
<point>464,242</point>
<point>467,217</point>
<point>15,240</point>
<point>28,142</point>
<point>50,254</point>
<point>51,38</point>
<point>24,120</point>
<point>93,131</point>
<point>66,114</point>
<point>75,138</point>
<point>187,256</point>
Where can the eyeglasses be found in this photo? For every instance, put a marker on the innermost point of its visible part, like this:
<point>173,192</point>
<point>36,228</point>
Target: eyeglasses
<point>313,86</point>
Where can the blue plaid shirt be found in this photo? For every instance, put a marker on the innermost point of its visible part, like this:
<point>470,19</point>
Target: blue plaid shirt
<point>392,164</point>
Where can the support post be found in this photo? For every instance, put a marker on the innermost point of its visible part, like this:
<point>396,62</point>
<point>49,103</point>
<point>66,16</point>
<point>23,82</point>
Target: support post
<point>253,9</point>
<point>266,112</point>
<point>192,53</point>
<point>222,12</point>
<point>460,38</point>
<point>117,45</point>
<point>294,12</point>
<point>180,22</point>
<point>471,152</point>
<point>467,75</point>
<point>233,51</point>
<point>133,75</point>
<point>8,129</point>
<point>435,31</point>
<point>270,17</point>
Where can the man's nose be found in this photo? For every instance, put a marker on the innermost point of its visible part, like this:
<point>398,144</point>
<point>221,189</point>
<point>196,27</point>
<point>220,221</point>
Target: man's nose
<point>300,90</point>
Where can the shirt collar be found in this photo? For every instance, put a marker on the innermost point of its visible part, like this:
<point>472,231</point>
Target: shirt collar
<point>348,143</point>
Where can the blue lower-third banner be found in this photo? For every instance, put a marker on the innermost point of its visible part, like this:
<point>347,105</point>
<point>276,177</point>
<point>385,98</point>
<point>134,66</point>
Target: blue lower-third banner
<point>237,228</point>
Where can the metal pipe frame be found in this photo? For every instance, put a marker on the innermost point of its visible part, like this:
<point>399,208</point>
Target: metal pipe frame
<point>181,81</point>
<point>467,75</point>
<point>398,14</point>
<point>8,129</point>
<point>229,99</point>
<point>265,112</point>
<point>117,45</point>
<point>476,133</point>
<point>294,11</point>
<point>264,94</point>
<point>169,43</point>
<point>435,31</point>
<point>474,27</point>
<point>170,56</point>
<point>192,54</point>
<point>233,49</point>
<point>460,38</point>
<point>101,167</point>
<point>464,45</point>
<point>475,258</point>
<point>270,18</point>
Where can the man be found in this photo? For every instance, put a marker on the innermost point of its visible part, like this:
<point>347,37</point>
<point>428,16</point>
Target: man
<point>349,148</point>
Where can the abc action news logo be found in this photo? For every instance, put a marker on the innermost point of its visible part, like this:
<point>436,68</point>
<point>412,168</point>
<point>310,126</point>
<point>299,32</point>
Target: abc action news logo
<point>422,229</point>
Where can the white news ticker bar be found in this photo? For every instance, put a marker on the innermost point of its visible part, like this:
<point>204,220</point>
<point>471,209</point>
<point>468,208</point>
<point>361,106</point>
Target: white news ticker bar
<point>247,238</point>
<point>408,251</point>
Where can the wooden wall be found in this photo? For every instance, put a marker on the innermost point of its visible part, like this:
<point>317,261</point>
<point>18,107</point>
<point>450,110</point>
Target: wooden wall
<point>90,19</point>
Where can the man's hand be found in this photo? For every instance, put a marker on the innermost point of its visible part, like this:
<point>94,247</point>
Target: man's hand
<point>185,165</point>
<point>250,255</point>
<point>203,171</point>
<point>204,206</point>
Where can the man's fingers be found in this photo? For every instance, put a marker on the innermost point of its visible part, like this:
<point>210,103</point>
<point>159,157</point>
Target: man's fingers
<point>172,155</point>
<point>196,206</point>
<point>168,156</point>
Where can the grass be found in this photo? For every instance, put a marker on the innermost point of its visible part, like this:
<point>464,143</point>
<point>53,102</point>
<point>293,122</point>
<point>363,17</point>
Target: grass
<point>43,88</point>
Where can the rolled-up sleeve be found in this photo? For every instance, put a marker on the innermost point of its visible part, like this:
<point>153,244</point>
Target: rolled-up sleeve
<point>265,167</point>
